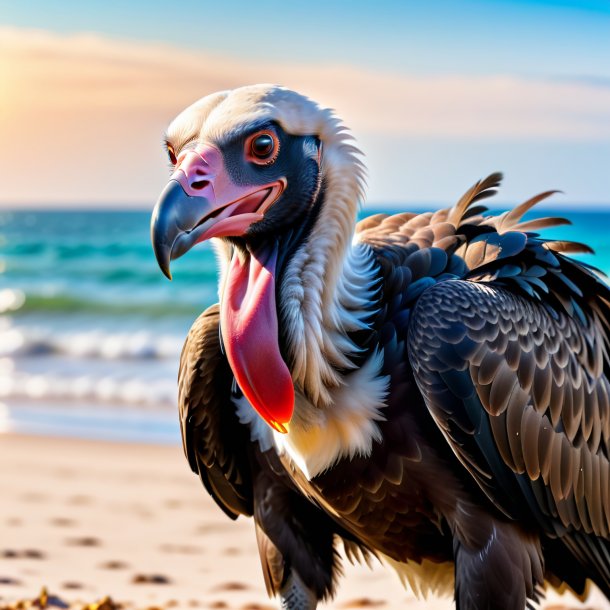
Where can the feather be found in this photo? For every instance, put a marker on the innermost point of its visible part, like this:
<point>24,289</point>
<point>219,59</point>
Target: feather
<point>513,217</point>
<point>480,190</point>
<point>569,247</point>
<point>540,223</point>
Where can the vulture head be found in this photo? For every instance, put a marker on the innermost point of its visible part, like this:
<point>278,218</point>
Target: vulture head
<point>273,177</point>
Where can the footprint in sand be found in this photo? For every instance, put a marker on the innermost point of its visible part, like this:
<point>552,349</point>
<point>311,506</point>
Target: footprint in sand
<point>83,541</point>
<point>150,579</point>
<point>231,586</point>
<point>113,565</point>
<point>22,554</point>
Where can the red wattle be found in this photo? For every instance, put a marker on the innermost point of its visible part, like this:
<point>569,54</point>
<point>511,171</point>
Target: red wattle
<point>248,318</point>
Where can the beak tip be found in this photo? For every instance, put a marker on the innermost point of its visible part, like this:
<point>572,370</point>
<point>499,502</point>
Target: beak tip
<point>163,256</point>
<point>164,262</point>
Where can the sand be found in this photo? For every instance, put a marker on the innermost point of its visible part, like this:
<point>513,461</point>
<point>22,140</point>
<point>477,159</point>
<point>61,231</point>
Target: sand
<point>90,519</point>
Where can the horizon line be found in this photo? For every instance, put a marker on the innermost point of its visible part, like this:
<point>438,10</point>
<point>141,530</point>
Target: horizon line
<point>391,205</point>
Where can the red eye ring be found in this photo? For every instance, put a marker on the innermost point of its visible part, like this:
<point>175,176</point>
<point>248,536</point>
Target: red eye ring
<point>172,155</point>
<point>262,147</point>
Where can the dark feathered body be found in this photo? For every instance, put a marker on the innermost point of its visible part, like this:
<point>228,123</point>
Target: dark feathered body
<point>495,439</point>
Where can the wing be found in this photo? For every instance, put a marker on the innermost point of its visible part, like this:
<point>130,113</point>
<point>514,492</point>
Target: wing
<point>509,339</point>
<point>523,398</point>
<point>215,442</point>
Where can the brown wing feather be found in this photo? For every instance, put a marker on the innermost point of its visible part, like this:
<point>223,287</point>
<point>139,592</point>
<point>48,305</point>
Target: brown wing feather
<point>215,442</point>
<point>272,562</point>
<point>510,219</point>
<point>382,230</point>
<point>481,190</point>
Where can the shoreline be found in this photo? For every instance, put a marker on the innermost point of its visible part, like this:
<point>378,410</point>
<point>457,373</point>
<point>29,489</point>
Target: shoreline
<point>136,425</point>
<point>89,519</point>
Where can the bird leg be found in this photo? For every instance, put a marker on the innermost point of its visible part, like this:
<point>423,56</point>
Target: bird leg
<point>498,566</point>
<point>296,545</point>
<point>295,595</point>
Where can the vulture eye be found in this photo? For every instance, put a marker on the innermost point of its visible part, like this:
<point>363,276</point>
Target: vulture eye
<point>263,148</point>
<point>172,155</point>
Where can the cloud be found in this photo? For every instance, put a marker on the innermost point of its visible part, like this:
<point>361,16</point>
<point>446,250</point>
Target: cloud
<point>81,116</point>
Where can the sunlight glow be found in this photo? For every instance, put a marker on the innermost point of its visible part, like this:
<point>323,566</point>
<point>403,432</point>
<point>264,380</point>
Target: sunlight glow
<point>89,112</point>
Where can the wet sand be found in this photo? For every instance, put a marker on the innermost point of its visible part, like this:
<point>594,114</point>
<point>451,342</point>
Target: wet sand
<point>88,519</point>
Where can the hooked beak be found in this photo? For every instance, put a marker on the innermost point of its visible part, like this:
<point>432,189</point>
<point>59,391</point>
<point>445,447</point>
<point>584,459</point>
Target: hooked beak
<point>200,202</point>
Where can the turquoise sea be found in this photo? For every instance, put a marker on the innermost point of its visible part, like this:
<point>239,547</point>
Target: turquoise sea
<point>91,332</point>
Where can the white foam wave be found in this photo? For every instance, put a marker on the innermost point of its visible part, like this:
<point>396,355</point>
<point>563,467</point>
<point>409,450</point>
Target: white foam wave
<point>18,342</point>
<point>57,387</point>
<point>10,299</point>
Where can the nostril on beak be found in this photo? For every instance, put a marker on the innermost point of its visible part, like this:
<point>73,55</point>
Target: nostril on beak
<point>199,184</point>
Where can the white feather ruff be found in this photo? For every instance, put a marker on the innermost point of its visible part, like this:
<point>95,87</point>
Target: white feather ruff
<point>319,438</point>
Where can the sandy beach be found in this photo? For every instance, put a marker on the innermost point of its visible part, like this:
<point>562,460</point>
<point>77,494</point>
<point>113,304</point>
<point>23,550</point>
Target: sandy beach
<point>89,519</point>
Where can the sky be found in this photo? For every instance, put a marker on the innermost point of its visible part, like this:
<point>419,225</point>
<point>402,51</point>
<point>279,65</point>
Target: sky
<point>437,93</point>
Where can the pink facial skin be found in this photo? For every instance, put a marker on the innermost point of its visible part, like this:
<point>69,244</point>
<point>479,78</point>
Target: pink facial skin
<point>201,173</point>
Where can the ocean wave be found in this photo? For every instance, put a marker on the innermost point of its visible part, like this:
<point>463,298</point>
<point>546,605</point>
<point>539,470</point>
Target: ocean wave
<point>19,342</point>
<point>108,390</point>
<point>108,270</point>
<point>68,303</point>
<point>11,300</point>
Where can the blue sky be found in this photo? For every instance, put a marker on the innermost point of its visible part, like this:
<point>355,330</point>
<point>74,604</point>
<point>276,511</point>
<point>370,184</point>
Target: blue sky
<point>537,38</point>
<point>440,122</point>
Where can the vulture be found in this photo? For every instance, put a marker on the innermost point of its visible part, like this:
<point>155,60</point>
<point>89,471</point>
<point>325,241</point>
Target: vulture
<point>429,389</point>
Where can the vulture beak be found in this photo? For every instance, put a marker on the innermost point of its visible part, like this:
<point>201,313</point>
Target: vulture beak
<point>200,202</point>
